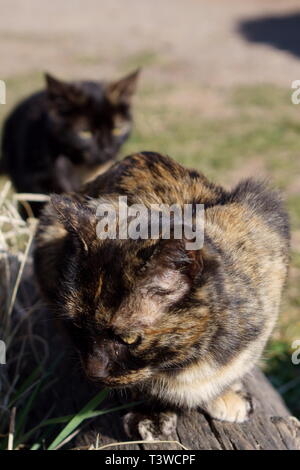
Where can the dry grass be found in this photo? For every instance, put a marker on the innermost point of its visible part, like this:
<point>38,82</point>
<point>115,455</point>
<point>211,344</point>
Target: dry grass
<point>16,238</point>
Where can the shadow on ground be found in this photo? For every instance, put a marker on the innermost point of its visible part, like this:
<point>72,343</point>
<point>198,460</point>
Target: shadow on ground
<point>281,32</point>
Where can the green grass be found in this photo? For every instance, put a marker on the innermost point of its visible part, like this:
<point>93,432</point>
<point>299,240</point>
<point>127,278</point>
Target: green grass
<point>283,374</point>
<point>220,145</point>
<point>39,434</point>
<point>141,59</point>
<point>264,96</point>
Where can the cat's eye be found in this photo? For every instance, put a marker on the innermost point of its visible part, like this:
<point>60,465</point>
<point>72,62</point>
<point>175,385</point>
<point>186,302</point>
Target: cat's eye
<point>85,135</point>
<point>118,131</point>
<point>121,129</point>
<point>130,339</point>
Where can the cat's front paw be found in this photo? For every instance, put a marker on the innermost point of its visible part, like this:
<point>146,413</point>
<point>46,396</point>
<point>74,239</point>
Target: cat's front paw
<point>154,427</point>
<point>233,406</point>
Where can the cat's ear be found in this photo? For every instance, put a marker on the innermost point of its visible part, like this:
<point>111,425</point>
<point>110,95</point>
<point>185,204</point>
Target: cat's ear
<point>78,219</point>
<point>55,86</point>
<point>63,95</point>
<point>174,255</point>
<point>121,91</point>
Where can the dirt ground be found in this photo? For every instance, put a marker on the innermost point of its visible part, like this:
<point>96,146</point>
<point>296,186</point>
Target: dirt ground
<point>179,40</point>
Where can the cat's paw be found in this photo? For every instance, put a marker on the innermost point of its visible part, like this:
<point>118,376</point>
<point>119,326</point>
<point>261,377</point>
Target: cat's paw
<point>233,406</point>
<point>157,426</point>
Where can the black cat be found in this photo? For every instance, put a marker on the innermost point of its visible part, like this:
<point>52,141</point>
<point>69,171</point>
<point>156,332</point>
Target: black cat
<point>59,138</point>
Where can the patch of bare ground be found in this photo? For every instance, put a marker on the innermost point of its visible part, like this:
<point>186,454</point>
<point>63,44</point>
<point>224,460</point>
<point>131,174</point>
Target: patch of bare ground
<point>195,40</point>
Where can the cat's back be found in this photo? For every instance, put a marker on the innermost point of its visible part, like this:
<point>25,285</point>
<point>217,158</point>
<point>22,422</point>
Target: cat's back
<point>22,127</point>
<point>250,230</point>
<point>149,177</point>
<point>254,212</point>
<point>28,110</point>
<point>251,211</point>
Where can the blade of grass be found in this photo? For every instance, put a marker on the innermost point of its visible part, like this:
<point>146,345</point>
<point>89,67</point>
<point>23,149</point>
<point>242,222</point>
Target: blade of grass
<point>78,418</point>
<point>4,192</point>
<point>27,384</point>
<point>68,439</point>
<point>65,419</point>
<point>113,444</point>
<point>11,431</point>
<point>22,418</point>
<point>85,413</point>
<point>41,384</point>
<point>35,446</point>
<point>48,422</point>
<point>21,269</point>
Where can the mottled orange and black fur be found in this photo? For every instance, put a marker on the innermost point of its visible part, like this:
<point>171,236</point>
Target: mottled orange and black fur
<point>183,326</point>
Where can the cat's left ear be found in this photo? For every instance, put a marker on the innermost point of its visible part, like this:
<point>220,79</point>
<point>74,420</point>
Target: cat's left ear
<point>63,95</point>
<point>55,86</point>
<point>78,219</point>
<point>121,91</point>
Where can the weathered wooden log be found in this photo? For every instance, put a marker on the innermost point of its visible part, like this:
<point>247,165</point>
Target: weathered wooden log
<point>270,426</point>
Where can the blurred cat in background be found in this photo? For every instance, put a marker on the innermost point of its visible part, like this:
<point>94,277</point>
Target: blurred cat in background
<point>63,136</point>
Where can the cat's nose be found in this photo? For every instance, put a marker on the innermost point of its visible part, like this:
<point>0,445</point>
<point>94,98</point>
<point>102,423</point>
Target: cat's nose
<point>97,365</point>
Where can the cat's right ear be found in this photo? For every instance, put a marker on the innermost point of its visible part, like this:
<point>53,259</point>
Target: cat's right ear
<point>122,91</point>
<point>63,96</point>
<point>78,219</point>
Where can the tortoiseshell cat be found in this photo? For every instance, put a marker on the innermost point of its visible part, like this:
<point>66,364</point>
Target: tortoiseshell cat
<point>182,326</point>
<point>63,136</point>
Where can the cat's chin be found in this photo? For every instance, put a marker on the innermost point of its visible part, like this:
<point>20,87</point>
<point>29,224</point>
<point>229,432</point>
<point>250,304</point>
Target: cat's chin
<point>120,382</point>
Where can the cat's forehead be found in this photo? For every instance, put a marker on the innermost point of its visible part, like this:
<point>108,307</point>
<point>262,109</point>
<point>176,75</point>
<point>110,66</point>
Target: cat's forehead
<point>93,90</point>
<point>123,264</point>
<point>126,254</point>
